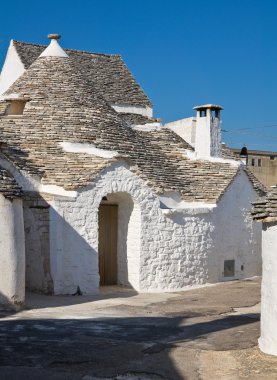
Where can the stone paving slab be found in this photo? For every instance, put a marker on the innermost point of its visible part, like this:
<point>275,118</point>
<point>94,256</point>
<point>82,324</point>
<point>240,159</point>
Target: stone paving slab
<point>204,334</point>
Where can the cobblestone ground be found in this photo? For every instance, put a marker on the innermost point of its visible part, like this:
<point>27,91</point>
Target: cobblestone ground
<point>208,333</point>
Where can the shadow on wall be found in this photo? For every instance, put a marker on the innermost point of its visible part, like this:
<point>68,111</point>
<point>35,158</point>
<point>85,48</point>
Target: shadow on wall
<point>109,347</point>
<point>128,238</point>
<point>59,259</point>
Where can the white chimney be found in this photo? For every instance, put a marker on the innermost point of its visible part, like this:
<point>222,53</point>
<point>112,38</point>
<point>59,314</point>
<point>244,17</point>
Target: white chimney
<point>208,131</point>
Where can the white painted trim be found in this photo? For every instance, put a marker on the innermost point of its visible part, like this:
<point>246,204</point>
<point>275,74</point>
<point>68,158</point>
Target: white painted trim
<point>12,96</point>
<point>139,110</point>
<point>193,156</point>
<point>88,149</point>
<point>148,127</point>
<point>192,209</point>
<point>56,190</point>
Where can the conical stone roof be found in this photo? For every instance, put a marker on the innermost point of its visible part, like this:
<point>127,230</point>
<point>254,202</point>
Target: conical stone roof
<point>63,106</point>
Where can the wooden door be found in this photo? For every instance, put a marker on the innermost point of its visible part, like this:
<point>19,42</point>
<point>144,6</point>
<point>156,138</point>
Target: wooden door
<point>107,244</point>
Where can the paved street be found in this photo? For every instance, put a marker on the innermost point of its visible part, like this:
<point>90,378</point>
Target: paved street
<point>206,333</point>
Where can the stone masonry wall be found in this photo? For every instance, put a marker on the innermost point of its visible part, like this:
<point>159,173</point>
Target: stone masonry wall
<point>186,248</point>
<point>236,236</point>
<point>12,264</point>
<point>173,253</point>
<point>36,226</point>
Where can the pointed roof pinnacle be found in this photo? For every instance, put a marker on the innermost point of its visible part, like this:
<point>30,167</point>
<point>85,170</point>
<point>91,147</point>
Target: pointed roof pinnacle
<point>54,49</point>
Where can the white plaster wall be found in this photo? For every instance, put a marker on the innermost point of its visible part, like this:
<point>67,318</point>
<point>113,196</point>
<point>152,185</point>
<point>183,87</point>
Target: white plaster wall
<point>12,69</point>
<point>12,251</point>
<point>134,247</point>
<point>36,226</point>
<point>236,236</point>
<point>173,253</point>
<point>185,128</point>
<point>128,249</point>
<point>208,137</point>
<point>202,137</point>
<point>268,339</point>
<point>177,249</point>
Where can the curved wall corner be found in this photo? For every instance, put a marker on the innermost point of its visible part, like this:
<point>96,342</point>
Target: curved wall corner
<point>268,339</point>
<point>12,253</point>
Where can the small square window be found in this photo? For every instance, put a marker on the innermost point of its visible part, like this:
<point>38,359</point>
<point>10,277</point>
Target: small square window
<point>229,268</point>
<point>271,157</point>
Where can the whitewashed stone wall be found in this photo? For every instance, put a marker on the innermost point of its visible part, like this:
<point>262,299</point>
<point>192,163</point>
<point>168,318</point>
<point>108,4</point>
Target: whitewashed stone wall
<point>36,227</point>
<point>172,254</point>
<point>12,279</point>
<point>268,339</point>
<point>160,252</point>
<point>128,245</point>
<point>236,236</point>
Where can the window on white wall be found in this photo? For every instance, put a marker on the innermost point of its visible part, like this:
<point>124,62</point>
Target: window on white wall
<point>229,268</point>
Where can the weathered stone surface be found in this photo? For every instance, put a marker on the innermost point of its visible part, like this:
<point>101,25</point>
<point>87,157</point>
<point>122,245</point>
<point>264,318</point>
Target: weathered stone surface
<point>208,333</point>
<point>64,107</point>
<point>265,209</point>
<point>8,186</point>
<point>108,73</point>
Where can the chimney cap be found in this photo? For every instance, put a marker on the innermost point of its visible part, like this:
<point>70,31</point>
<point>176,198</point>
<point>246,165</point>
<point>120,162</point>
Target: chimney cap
<point>208,106</point>
<point>54,36</point>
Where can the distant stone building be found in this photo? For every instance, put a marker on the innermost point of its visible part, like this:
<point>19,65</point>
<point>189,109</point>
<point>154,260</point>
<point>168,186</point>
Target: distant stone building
<point>263,164</point>
<point>95,191</point>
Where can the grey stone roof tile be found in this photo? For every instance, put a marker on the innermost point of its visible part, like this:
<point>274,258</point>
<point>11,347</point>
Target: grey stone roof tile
<point>265,208</point>
<point>63,106</point>
<point>8,186</point>
<point>108,73</point>
<point>136,119</point>
<point>260,189</point>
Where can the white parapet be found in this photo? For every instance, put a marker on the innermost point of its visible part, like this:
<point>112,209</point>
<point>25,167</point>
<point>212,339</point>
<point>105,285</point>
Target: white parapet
<point>185,128</point>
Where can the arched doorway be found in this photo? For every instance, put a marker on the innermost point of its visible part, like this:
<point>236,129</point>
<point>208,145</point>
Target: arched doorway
<point>119,240</point>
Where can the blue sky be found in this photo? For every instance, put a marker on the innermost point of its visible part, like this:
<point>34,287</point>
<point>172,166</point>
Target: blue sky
<point>183,53</point>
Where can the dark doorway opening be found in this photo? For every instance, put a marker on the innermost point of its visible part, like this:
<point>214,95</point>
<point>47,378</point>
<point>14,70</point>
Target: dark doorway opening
<point>108,224</point>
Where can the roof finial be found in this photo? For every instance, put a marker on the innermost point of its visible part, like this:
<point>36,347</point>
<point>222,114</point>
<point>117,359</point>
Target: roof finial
<point>54,49</point>
<point>54,36</point>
